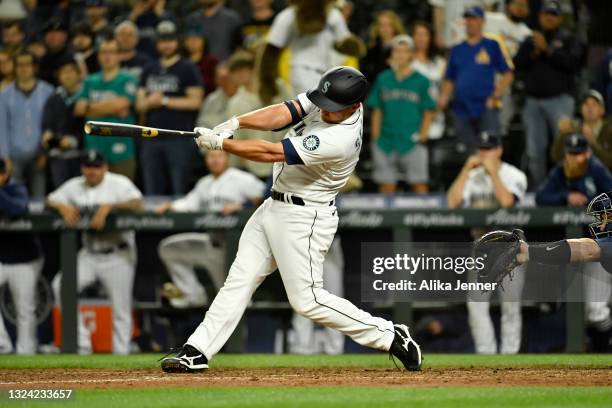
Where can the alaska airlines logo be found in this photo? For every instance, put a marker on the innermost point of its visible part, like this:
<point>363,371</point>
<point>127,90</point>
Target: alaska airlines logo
<point>326,86</point>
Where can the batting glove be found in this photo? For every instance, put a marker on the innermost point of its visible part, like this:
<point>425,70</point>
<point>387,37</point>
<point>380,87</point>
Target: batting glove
<point>209,139</point>
<point>229,126</point>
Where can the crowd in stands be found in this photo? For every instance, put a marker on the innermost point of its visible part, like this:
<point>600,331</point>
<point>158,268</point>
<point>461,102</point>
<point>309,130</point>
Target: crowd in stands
<point>516,92</point>
<point>439,76</point>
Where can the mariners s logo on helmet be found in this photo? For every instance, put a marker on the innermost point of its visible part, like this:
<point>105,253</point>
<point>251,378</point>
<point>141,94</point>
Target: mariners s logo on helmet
<point>326,86</point>
<point>311,142</point>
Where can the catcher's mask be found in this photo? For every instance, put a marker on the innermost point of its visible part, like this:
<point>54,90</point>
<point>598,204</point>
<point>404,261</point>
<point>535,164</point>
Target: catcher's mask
<point>601,209</point>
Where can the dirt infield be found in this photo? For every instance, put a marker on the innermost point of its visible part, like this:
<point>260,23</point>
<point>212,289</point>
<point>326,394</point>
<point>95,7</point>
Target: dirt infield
<point>259,377</point>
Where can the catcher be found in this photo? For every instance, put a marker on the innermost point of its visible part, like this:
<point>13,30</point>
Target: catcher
<point>515,251</point>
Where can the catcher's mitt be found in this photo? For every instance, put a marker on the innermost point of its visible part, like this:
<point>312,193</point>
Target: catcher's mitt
<point>499,250</point>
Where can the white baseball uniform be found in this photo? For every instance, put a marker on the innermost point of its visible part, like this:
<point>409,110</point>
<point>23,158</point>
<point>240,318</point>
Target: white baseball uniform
<point>108,256</point>
<point>478,193</point>
<point>181,253</point>
<point>319,158</point>
<point>311,54</point>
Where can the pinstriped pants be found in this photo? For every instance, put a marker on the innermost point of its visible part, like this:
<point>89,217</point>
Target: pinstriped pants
<point>296,239</point>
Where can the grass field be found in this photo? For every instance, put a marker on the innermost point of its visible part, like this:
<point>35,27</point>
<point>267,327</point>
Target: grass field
<point>368,380</point>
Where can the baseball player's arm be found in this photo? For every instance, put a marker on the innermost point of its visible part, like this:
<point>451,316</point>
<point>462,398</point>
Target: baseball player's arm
<point>255,150</point>
<point>269,118</point>
<point>454,197</point>
<point>560,252</point>
<point>69,213</point>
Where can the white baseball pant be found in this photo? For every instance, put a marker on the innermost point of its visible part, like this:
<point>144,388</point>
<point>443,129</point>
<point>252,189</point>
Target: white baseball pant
<point>296,238</point>
<point>481,324</point>
<point>181,253</point>
<point>21,279</point>
<point>116,273</point>
<point>304,339</point>
<point>597,291</point>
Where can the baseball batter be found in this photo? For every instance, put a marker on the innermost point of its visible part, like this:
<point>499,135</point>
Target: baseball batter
<point>295,227</point>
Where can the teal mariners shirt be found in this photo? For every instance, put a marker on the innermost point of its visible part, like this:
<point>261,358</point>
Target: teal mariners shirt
<point>96,89</point>
<point>403,103</point>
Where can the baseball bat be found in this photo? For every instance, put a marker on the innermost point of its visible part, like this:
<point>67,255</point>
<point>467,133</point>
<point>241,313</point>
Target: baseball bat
<point>121,129</point>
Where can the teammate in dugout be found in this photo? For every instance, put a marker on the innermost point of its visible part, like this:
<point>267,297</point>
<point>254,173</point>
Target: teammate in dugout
<point>295,227</point>
<point>107,256</point>
<point>225,190</point>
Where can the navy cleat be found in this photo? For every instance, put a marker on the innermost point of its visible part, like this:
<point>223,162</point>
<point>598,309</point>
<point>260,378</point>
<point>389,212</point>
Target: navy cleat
<point>406,349</point>
<point>187,360</point>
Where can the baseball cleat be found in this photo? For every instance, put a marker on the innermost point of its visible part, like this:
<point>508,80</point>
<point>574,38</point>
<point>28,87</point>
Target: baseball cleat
<point>187,360</point>
<point>406,349</point>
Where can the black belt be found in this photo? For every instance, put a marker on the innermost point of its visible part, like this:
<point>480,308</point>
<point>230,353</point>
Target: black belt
<point>121,246</point>
<point>286,198</point>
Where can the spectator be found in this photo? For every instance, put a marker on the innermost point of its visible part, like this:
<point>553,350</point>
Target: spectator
<point>509,28</point>
<point>83,42</point>
<point>126,34</point>
<point>550,60</point>
<point>387,26</point>
<point>62,131</point>
<point>37,48</point>
<point>214,108</point>
<point>96,17</point>
<point>594,127</point>
<point>316,36</point>
<point>13,36</point>
<point>109,96</point>
<point>510,25</point>
<point>20,265</point>
<point>170,95</point>
<point>432,65</point>
<point>7,69</point>
<point>402,113</point>
<point>196,50</point>
<point>256,27</point>
<point>225,190</point>
<point>147,14</point>
<point>21,110</point>
<point>485,181</point>
<point>221,27</point>
<point>471,75</point>
<point>58,50</point>
<point>448,19</point>
<point>603,81</point>
<point>578,179</point>
<point>241,67</point>
<point>106,256</point>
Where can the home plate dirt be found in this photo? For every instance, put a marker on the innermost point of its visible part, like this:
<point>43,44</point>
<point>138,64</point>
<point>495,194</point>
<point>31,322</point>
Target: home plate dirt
<point>259,377</point>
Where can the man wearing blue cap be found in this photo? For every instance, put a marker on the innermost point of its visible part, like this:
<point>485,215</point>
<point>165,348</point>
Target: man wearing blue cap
<point>550,60</point>
<point>470,75</point>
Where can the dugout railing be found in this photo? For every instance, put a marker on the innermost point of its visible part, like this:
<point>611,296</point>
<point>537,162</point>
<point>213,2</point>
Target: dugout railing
<point>401,223</point>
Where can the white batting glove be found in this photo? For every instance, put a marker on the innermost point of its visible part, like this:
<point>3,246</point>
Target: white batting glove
<point>229,126</point>
<point>208,140</point>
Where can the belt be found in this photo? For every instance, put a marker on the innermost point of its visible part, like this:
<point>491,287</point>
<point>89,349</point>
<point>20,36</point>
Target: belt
<point>291,199</point>
<point>121,246</point>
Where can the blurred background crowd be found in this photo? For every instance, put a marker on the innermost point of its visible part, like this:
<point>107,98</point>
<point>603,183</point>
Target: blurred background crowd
<point>484,103</point>
<point>64,62</point>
